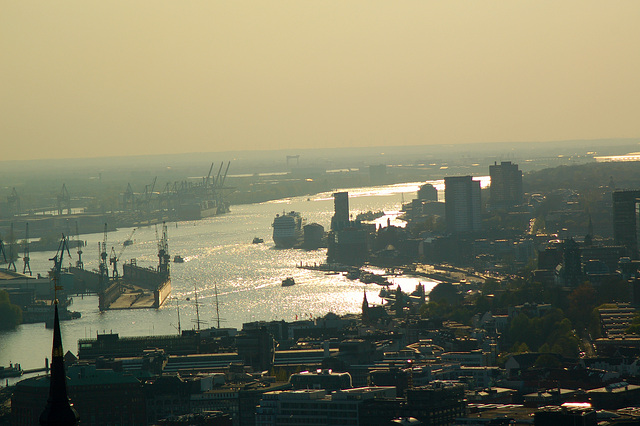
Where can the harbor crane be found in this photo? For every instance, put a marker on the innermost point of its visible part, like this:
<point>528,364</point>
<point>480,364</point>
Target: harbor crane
<point>128,199</point>
<point>13,200</point>
<point>2,251</point>
<point>12,256</point>
<point>206,182</point>
<point>103,268</point>
<point>57,261</point>
<point>163,251</point>
<point>64,200</point>
<point>26,258</point>
<point>79,263</point>
<point>225,175</point>
<point>129,239</point>
<point>114,259</point>
<point>217,179</point>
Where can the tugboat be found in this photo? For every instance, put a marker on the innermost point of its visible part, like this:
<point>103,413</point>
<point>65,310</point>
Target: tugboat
<point>13,370</point>
<point>287,282</point>
<point>258,240</point>
<point>178,259</point>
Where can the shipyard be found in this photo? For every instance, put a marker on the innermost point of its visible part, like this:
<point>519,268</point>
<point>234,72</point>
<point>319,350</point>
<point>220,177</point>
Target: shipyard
<point>320,213</point>
<point>401,322</point>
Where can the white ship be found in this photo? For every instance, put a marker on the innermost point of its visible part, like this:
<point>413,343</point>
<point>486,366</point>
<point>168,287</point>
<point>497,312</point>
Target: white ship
<point>288,229</point>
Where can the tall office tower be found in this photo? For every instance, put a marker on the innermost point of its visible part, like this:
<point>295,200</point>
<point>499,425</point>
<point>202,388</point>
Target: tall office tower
<point>506,185</point>
<point>462,204</point>
<point>625,220</point>
<point>340,217</point>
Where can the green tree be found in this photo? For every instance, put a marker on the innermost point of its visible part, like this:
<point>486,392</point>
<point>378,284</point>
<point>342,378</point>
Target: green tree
<point>10,314</point>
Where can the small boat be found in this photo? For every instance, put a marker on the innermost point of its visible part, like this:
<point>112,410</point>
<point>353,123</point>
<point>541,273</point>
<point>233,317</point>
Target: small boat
<point>13,370</point>
<point>258,240</point>
<point>178,259</point>
<point>127,243</point>
<point>353,274</point>
<point>289,281</point>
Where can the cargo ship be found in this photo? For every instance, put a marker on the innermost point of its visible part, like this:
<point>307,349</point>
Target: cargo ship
<point>288,229</point>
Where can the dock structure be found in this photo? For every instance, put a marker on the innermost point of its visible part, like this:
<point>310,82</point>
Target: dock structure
<point>138,287</point>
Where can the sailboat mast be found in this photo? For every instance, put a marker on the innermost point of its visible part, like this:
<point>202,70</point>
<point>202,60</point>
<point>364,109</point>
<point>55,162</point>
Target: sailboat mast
<point>217,305</point>
<point>178,306</point>
<point>197,311</point>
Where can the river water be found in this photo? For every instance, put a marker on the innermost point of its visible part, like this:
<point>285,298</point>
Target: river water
<point>218,251</point>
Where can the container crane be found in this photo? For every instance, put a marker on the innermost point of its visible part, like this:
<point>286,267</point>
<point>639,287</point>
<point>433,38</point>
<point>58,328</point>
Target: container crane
<point>206,182</point>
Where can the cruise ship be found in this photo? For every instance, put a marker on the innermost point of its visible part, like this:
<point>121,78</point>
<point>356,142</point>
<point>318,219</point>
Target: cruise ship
<point>288,229</point>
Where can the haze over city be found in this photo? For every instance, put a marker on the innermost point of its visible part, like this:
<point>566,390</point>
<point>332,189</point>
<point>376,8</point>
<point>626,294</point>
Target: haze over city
<point>119,78</point>
<point>331,213</point>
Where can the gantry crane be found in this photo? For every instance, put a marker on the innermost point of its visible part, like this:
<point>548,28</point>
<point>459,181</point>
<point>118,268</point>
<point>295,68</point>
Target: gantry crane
<point>64,200</point>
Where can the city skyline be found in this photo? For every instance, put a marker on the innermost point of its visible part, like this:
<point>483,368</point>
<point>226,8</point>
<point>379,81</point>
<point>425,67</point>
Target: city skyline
<point>82,80</point>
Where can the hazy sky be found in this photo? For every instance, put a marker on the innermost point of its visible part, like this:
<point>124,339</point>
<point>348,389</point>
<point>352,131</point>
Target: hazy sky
<point>95,78</point>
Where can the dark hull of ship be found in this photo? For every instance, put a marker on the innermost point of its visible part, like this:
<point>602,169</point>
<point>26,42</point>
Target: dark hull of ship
<point>286,242</point>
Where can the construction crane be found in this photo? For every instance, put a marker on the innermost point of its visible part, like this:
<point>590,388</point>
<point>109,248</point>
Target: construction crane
<point>26,258</point>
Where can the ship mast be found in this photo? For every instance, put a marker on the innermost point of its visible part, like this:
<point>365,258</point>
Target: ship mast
<point>217,305</point>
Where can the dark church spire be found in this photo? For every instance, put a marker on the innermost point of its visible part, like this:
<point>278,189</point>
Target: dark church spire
<point>58,410</point>
<point>365,308</point>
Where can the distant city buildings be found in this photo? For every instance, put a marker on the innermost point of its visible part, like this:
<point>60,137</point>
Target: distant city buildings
<point>625,220</point>
<point>506,185</point>
<point>462,204</point>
